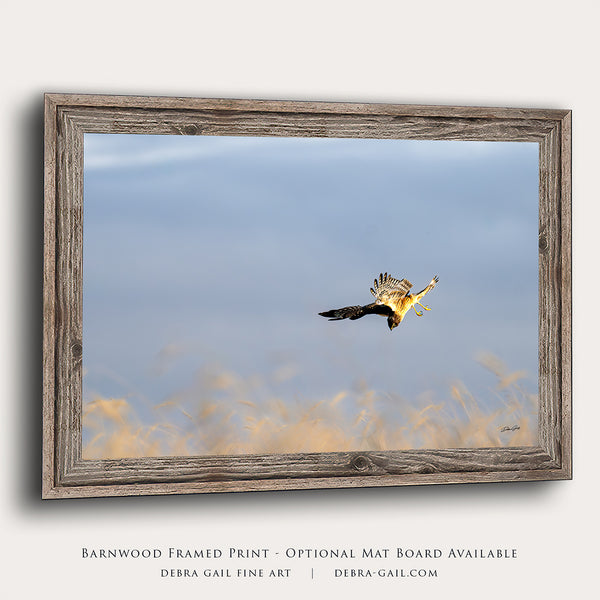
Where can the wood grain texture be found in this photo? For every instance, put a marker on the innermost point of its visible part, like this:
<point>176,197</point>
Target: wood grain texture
<point>306,124</point>
<point>306,466</point>
<point>49,397</point>
<point>566,286</point>
<point>68,299</point>
<point>68,117</point>
<point>287,106</point>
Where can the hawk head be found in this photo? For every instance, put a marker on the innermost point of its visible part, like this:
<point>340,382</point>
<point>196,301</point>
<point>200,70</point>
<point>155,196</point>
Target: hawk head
<point>394,320</point>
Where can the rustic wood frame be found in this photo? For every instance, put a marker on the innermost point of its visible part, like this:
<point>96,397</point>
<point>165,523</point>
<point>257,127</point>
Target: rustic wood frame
<point>68,117</point>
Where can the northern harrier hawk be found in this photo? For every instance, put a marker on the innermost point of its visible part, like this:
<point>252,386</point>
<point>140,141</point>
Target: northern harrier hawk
<point>391,300</point>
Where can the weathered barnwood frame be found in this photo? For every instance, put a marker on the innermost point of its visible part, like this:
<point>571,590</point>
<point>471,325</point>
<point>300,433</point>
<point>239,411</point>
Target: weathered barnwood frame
<point>68,117</point>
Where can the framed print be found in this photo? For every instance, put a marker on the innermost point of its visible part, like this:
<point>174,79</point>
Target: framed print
<point>263,295</point>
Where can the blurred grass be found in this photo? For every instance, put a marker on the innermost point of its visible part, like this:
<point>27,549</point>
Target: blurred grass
<point>222,414</point>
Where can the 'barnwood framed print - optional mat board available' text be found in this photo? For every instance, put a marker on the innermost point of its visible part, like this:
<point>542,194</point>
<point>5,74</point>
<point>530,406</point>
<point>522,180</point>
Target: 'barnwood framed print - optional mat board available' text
<point>259,295</point>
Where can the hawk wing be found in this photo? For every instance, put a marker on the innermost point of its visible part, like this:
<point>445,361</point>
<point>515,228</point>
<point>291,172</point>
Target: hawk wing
<point>356,312</point>
<point>429,287</point>
<point>387,288</point>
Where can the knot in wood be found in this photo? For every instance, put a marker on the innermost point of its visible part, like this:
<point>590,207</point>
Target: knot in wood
<point>190,130</point>
<point>76,350</point>
<point>543,243</point>
<point>360,463</point>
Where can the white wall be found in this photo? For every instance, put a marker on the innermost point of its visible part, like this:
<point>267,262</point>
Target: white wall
<point>535,54</point>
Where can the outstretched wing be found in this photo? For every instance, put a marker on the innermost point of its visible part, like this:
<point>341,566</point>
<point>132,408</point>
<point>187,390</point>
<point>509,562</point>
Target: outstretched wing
<point>387,287</point>
<point>429,287</point>
<point>356,312</point>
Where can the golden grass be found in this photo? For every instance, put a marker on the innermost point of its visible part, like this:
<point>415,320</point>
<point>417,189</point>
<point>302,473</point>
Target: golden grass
<point>224,414</point>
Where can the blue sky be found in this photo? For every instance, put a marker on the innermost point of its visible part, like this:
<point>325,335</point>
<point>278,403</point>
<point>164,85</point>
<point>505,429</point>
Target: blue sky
<point>220,251</point>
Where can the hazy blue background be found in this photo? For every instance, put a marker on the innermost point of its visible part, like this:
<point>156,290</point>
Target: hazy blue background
<point>221,251</point>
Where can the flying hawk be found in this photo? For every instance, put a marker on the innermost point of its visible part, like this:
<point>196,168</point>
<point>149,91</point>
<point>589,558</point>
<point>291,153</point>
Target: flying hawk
<point>391,300</point>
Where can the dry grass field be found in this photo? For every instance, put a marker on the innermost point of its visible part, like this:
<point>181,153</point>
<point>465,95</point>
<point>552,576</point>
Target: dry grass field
<point>224,414</point>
